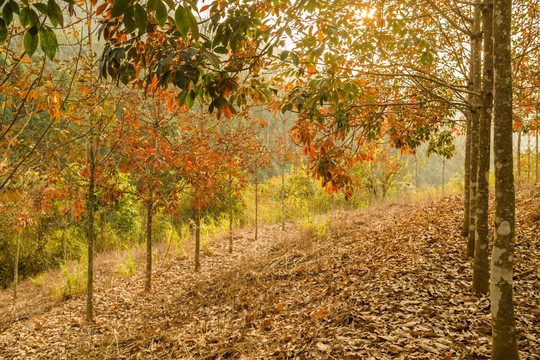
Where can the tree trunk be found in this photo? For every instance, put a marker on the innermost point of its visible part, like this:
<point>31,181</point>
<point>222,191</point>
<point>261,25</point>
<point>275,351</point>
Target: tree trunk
<point>149,206</point>
<point>416,171</point>
<point>230,216</point>
<point>529,159</point>
<point>198,240</point>
<point>256,205</point>
<point>519,157</point>
<point>481,250</point>
<point>16,270</point>
<point>283,197</point>
<point>308,187</point>
<point>90,212</point>
<point>467,179</point>
<point>502,261</point>
<point>536,152</point>
<point>64,245</point>
<point>442,178</point>
<point>476,77</point>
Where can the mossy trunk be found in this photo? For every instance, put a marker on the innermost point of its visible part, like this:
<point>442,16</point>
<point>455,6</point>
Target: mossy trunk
<point>481,250</point>
<point>502,260</point>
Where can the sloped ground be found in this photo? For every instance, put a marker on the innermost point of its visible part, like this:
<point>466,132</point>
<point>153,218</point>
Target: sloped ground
<point>388,283</point>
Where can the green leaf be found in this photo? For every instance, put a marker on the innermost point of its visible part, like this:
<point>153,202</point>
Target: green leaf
<point>194,25</point>
<point>7,14</point>
<point>221,50</point>
<point>3,31</point>
<point>161,13</point>
<point>48,42</point>
<point>212,58</point>
<point>151,5</point>
<point>119,8</point>
<point>55,13</point>
<point>182,98</point>
<point>15,7</point>
<point>190,99</point>
<point>284,55</point>
<point>181,20</point>
<point>129,21</point>
<point>31,40</point>
<point>170,4</point>
<point>24,16</point>
<point>141,19</point>
<point>295,59</point>
<point>42,8</point>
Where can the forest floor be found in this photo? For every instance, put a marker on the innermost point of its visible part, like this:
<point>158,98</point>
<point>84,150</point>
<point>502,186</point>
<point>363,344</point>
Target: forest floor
<point>390,282</point>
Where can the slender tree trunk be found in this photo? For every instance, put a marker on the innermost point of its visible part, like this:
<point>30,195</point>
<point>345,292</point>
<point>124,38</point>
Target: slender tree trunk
<point>481,250</point>
<point>442,178</point>
<point>102,222</point>
<point>519,157</point>
<point>16,270</point>
<point>64,245</point>
<point>90,213</point>
<point>283,197</point>
<point>502,260</point>
<point>230,216</point>
<point>256,205</point>
<point>308,187</point>
<point>536,152</point>
<point>90,195</point>
<point>529,159</point>
<point>476,60</point>
<point>416,171</point>
<point>198,240</point>
<point>467,179</point>
<point>149,206</point>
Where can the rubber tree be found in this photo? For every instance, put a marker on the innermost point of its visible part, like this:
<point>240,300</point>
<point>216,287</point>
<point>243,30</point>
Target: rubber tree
<point>476,79</point>
<point>481,251</point>
<point>502,260</point>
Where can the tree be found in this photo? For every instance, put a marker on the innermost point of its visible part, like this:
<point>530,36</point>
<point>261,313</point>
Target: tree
<point>502,261</point>
<point>481,251</point>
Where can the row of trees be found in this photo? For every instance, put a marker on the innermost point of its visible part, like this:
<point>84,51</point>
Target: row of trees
<point>357,75</point>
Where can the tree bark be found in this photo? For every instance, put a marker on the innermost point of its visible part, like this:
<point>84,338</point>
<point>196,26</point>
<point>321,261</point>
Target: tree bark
<point>442,178</point>
<point>529,159</point>
<point>416,171</point>
<point>519,157</point>
<point>481,250</point>
<point>467,179</point>
<point>502,261</point>
<point>283,197</point>
<point>198,240</point>
<point>536,152</point>
<point>230,216</point>
<point>64,245</point>
<point>256,205</point>
<point>149,206</point>
<point>90,213</point>
<point>16,269</point>
<point>476,77</point>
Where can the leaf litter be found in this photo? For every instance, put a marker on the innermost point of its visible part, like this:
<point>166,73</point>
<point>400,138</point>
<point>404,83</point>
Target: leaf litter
<point>390,282</point>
